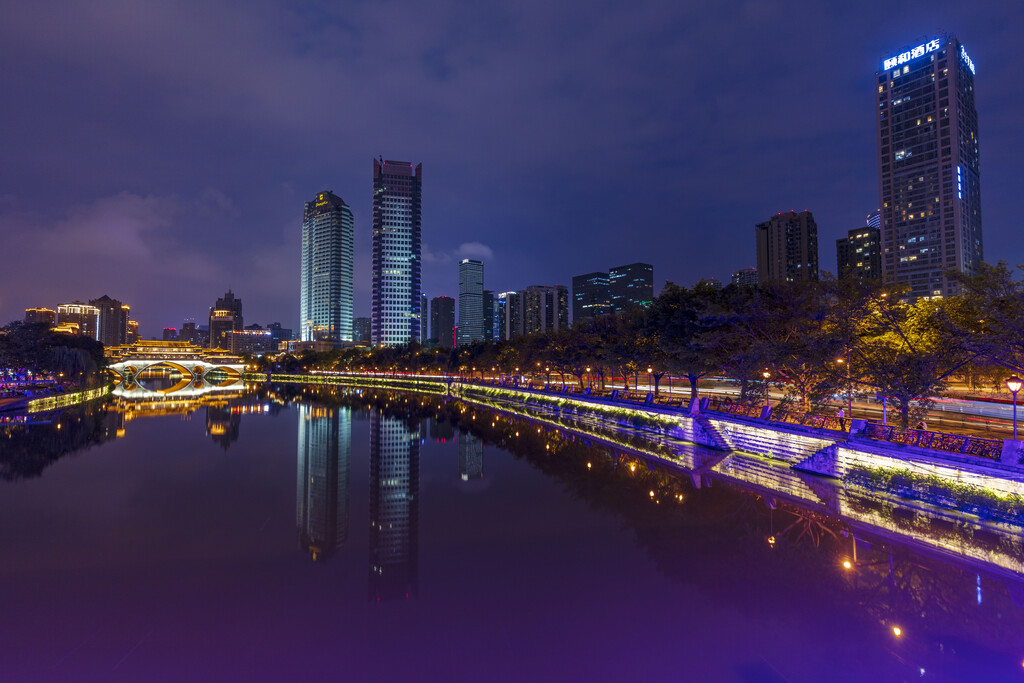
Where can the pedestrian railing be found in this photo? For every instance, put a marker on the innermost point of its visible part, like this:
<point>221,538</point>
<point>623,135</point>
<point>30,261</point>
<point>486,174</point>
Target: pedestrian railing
<point>809,419</point>
<point>733,408</point>
<point>940,441</point>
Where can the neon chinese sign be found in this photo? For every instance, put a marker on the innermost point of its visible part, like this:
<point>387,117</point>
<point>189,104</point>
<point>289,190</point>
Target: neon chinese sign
<point>919,51</point>
<point>967,60</point>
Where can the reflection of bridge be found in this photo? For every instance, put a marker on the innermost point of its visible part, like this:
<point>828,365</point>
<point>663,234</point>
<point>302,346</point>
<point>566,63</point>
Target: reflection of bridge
<point>182,390</point>
<point>192,362</point>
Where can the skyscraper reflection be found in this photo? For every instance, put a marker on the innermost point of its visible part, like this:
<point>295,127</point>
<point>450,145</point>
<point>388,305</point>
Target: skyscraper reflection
<point>324,449</point>
<point>394,508</point>
<point>471,457</point>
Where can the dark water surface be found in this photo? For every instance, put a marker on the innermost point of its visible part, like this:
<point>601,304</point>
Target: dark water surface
<point>287,533</point>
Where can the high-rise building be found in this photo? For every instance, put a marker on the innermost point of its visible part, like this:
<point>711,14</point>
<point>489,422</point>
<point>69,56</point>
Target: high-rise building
<point>471,301</point>
<point>83,318</point>
<point>929,184</point>
<point>325,291</point>
<point>133,331</point>
<point>590,296</point>
<point>361,330</point>
<point>113,330</point>
<point>45,316</point>
<point>394,508</point>
<point>488,320</point>
<point>787,247</point>
<point>225,316</point>
<point>442,321</point>
<point>397,191</point>
<point>424,315</point>
<point>874,219</point>
<point>745,277</point>
<point>859,254</point>
<point>541,309</point>
<point>170,334</point>
<point>278,334</point>
<point>630,285</point>
<point>322,480</point>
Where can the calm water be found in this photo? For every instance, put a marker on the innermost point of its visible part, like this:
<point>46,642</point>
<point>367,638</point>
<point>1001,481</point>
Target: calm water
<point>375,536</point>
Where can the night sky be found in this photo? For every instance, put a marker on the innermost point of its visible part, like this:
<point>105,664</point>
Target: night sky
<point>161,152</point>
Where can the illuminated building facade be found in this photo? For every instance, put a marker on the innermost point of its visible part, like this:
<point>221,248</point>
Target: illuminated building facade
<point>225,316</point>
<point>113,327</point>
<point>471,301</point>
<point>541,309</point>
<point>745,277</point>
<point>442,321</point>
<point>929,182</point>
<point>81,317</point>
<point>325,297</point>
<point>590,297</point>
<point>254,342</point>
<point>488,321</point>
<point>45,316</point>
<point>394,508</point>
<point>361,330</point>
<point>395,314</point>
<point>859,254</point>
<point>787,248</point>
<point>322,479</point>
<point>630,285</point>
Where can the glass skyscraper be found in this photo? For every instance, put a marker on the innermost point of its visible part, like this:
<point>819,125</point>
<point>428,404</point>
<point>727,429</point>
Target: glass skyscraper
<point>397,188</point>
<point>325,302</point>
<point>471,301</point>
<point>928,166</point>
<point>630,285</point>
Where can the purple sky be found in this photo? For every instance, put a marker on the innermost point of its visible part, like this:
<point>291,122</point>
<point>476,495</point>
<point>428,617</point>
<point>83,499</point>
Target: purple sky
<point>161,152</point>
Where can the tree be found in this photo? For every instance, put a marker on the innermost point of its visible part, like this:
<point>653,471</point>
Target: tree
<point>907,352</point>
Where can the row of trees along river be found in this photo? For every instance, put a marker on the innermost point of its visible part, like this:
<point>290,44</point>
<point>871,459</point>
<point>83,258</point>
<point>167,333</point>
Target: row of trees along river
<point>816,340</point>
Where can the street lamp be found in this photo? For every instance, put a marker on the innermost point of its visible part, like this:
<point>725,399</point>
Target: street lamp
<point>767,388</point>
<point>1014,384</point>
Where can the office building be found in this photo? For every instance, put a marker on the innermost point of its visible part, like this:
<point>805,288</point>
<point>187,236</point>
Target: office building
<point>787,248</point>
<point>325,292</point>
<point>279,334</point>
<point>394,508</point>
<point>133,331</point>
<point>859,254</point>
<point>225,316</point>
<point>745,277</point>
<point>631,285</point>
<point>590,296</point>
<point>397,191</point>
<point>507,315</point>
<point>81,318</point>
<point>43,316</point>
<point>113,330</point>
<point>488,317</point>
<point>170,334</point>
<point>874,219</point>
<point>442,321</point>
<point>929,182</point>
<point>254,342</point>
<point>322,479</point>
<point>541,309</point>
<point>361,330</point>
<point>471,302</point>
<point>424,319</point>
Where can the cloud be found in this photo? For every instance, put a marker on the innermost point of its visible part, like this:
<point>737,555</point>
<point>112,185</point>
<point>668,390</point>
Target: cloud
<point>474,250</point>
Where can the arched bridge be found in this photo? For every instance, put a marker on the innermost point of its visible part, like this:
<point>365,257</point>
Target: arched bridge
<point>192,362</point>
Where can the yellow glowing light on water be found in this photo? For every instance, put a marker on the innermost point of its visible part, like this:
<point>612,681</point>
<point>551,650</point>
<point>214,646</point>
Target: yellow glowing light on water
<point>632,468</point>
<point>847,564</point>
<point>897,631</point>
<point>652,494</point>
<point>588,465</point>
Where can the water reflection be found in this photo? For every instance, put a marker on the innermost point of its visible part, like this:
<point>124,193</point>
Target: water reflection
<point>324,450</point>
<point>394,508</point>
<point>743,531</point>
<point>471,456</point>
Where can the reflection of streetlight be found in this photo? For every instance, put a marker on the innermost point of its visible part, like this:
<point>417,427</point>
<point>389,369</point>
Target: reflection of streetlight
<point>767,388</point>
<point>1014,384</point>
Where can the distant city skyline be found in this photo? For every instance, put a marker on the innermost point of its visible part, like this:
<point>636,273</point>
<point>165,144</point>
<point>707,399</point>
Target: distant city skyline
<point>190,186</point>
